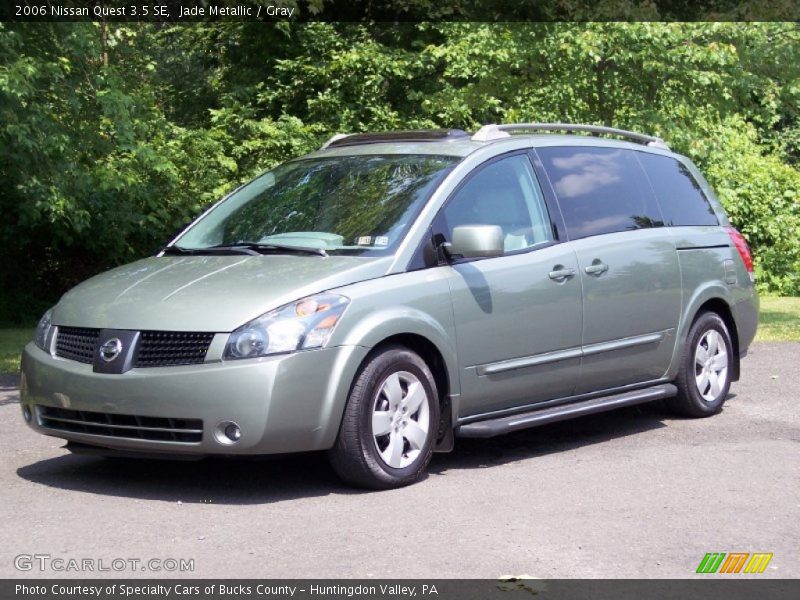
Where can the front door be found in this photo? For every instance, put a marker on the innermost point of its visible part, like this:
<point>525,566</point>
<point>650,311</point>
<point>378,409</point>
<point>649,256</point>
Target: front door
<point>517,316</point>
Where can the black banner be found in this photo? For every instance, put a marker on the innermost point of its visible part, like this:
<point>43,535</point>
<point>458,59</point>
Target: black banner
<point>510,588</point>
<point>176,11</point>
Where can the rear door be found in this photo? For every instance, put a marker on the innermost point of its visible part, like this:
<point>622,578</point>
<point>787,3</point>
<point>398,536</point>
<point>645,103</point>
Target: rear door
<point>517,316</point>
<point>627,262</point>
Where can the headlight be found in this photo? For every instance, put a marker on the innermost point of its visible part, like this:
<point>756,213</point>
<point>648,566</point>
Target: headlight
<point>307,323</point>
<point>43,330</point>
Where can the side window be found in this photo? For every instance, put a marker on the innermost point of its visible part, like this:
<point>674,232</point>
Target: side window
<point>681,199</point>
<point>600,190</point>
<point>504,193</point>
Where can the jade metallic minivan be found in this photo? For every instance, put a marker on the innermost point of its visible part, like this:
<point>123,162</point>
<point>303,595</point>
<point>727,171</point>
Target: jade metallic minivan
<point>391,292</point>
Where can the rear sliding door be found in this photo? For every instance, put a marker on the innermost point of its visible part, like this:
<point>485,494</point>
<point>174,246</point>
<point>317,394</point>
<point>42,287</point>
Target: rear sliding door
<point>627,264</point>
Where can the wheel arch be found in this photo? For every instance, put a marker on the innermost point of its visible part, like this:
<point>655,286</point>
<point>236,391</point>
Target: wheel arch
<point>720,306</point>
<point>427,350</point>
<point>421,332</point>
<point>424,334</point>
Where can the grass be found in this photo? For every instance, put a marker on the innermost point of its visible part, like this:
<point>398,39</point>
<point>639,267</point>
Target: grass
<point>11,343</point>
<point>780,321</point>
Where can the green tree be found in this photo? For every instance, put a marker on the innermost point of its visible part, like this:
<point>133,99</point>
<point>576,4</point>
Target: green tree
<point>113,134</point>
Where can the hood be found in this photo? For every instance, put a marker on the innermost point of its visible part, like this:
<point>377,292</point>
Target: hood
<point>205,293</point>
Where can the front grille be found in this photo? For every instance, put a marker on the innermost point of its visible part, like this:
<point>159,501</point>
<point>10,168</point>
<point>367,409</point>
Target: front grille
<point>165,348</point>
<point>160,429</point>
<point>76,343</point>
<point>156,348</point>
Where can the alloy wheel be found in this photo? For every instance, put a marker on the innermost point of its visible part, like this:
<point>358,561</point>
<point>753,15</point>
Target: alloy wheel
<point>711,365</point>
<point>400,419</point>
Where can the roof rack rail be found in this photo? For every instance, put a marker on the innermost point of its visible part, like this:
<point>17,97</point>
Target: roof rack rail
<point>412,135</point>
<point>495,132</point>
<point>334,138</point>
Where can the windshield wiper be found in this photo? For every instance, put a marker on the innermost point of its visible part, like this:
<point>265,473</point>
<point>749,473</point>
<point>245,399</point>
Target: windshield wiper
<point>211,250</point>
<point>256,246</point>
<point>251,248</point>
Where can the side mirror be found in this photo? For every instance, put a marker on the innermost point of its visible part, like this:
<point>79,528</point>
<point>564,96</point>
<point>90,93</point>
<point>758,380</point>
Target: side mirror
<point>476,241</point>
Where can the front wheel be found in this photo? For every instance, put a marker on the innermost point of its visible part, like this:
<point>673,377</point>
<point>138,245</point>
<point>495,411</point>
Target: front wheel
<point>707,363</point>
<point>387,434</point>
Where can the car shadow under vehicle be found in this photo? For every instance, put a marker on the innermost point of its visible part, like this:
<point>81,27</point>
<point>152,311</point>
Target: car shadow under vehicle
<point>234,481</point>
<point>553,438</point>
<point>242,481</point>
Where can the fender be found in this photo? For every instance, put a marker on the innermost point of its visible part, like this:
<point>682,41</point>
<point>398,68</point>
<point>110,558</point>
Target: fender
<point>712,290</point>
<point>377,326</point>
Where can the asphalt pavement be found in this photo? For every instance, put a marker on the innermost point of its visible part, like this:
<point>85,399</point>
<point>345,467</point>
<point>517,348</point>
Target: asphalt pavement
<point>634,493</point>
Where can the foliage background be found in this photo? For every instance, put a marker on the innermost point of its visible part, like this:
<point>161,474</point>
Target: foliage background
<point>112,135</point>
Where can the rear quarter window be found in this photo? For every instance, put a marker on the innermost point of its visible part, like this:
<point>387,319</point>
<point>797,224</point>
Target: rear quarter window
<point>678,192</point>
<point>600,190</point>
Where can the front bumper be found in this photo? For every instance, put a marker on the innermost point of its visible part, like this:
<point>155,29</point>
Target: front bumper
<point>286,403</point>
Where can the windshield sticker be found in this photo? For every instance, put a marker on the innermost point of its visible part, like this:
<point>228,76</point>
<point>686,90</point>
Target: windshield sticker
<point>381,240</point>
<point>364,240</point>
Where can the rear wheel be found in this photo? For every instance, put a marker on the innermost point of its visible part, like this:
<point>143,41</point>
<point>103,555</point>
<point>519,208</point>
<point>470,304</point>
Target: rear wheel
<point>705,375</point>
<point>388,429</point>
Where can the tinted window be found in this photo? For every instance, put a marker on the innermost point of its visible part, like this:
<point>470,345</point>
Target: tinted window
<point>504,193</point>
<point>600,190</point>
<point>681,199</point>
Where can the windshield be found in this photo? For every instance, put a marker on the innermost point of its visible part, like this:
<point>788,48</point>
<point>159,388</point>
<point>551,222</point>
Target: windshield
<point>349,204</point>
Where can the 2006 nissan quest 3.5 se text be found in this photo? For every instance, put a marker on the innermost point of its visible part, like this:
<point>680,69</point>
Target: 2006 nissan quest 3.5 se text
<point>392,291</point>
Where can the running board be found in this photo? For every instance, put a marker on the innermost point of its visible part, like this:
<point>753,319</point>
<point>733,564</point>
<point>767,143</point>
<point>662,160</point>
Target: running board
<point>534,418</point>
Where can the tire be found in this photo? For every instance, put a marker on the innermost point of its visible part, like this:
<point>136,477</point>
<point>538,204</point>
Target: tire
<point>704,377</point>
<point>395,392</point>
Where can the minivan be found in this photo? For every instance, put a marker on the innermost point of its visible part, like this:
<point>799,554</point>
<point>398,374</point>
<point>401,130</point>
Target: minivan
<point>390,292</point>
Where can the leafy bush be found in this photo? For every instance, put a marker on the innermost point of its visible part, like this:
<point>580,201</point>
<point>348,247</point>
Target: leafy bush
<point>760,195</point>
<point>112,135</point>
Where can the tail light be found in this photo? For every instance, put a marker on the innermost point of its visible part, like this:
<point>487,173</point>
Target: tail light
<point>744,250</point>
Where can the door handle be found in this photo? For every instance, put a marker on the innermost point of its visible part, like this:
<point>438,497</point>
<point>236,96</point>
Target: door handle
<point>596,268</point>
<point>561,274</point>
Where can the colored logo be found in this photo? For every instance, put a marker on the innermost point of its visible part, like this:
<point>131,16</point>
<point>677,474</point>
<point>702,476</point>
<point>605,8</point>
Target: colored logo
<point>734,562</point>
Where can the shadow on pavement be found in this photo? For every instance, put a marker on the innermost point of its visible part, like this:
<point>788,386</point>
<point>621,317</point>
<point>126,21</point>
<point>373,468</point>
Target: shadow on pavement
<point>12,399</point>
<point>243,481</point>
<point>9,382</point>
<point>210,481</point>
<point>553,438</point>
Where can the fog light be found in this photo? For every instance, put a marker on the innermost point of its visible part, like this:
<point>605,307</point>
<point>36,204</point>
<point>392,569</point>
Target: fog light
<point>228,433</point>
<point>26,413</point>
<point>233,433</point>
